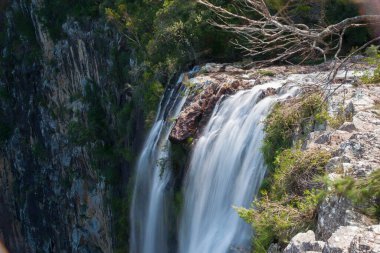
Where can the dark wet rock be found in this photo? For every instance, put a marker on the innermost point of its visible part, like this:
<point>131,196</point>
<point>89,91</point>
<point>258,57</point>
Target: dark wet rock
<point>196,114</point>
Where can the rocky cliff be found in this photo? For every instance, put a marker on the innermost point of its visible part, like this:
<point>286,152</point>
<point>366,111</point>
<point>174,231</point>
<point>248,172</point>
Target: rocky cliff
<point>65,150</point>
<point>355,145</point>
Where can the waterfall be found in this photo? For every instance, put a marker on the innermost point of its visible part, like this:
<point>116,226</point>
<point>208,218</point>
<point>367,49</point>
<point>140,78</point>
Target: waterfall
<point>149,209</point>
<point>226,170</point>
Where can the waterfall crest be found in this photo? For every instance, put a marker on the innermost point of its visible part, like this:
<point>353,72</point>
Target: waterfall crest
<point>226,170</point>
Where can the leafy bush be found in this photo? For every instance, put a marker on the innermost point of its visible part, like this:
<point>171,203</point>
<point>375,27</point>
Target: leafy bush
<point>296,170</point>
<point>364,193</point>
<point>289,202</point>
<point>373,59</point>
<point>278,221</point>
<point>169,35</point>
<point>292,120</point>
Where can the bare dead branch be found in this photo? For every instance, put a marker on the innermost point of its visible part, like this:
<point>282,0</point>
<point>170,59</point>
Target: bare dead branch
<point>278,35</point>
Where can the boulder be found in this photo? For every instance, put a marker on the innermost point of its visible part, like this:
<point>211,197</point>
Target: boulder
<point>367,241</point>
<point>304,242</point>
<point>337,211</point>
<point>340,241</point>
<point>353,239</point>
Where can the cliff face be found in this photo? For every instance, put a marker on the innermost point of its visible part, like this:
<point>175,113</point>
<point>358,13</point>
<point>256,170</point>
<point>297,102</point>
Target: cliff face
<point>355,145</point>
<point>59,124</point>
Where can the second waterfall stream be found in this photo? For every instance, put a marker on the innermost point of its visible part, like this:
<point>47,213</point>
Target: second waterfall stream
<point>226,169</point>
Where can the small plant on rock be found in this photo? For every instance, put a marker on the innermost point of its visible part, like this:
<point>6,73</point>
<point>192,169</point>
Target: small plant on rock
<point>373,54</point>
<point>289,202</point>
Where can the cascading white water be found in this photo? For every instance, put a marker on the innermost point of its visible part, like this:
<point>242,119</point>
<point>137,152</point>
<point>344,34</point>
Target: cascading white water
<point>149,209</point>
<point>149,214</point>
<point>226,170</point>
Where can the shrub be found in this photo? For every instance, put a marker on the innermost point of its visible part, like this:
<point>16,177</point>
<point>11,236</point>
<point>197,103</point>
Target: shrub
<point>296,171</point>
<point>290,121</point>
<point>278,221</point>
<point>364,193</point>
<point>288,203</point>
<point>373,59</point>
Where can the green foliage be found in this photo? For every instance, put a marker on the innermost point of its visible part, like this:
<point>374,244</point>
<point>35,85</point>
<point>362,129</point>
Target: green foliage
<point>178,203</point>
<point>120,204</point>
<point>78,133</point>
<point>170,34</point>
<point>55,12</point>
<point>39,151</point>
<point>289,202</point>
<point>6,128</point>
<point>278,221</point>
<point>5,132</point>
<point>263,72</point>
<point>178,155</point>
<point>290,120</point>
<point>339,117</point>
<point>373,54</point>
<point>364,193</point>
<point>150,91</point>
<point>296,169</point>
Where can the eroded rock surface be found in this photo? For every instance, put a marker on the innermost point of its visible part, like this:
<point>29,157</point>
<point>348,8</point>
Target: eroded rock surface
<point>199,110</point>
<point>355,146</point>
<point>304,242</point>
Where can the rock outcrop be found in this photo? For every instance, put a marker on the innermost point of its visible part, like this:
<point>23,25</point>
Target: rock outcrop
<point>346,239</point>
<point>209,86</point>
<point>355,146</point>
<point>199,110</point>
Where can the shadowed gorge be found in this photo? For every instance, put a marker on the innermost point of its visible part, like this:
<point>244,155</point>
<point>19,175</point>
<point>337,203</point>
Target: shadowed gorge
<point>177,126</point>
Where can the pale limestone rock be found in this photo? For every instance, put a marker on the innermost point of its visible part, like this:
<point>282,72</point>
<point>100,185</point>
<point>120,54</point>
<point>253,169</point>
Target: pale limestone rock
<point>368,241</point>
<point>335,212</point>
<point>352,239</point>
<point>340,241</point>
<point>304,242</point>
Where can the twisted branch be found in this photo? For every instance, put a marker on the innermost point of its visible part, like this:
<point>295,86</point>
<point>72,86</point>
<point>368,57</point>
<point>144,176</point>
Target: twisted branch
<point>278,36</point>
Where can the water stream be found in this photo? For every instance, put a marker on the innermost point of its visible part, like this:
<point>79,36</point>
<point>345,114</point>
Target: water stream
<point>149,210</point>
<point>226,170</point>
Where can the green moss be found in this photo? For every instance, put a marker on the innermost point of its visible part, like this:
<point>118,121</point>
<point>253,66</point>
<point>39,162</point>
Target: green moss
<point>178,203</point>
<point>78,133</point>
<point>178,157</point>
<point>39,151</point>
<point>264,72</point>
<point>24,25</point>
